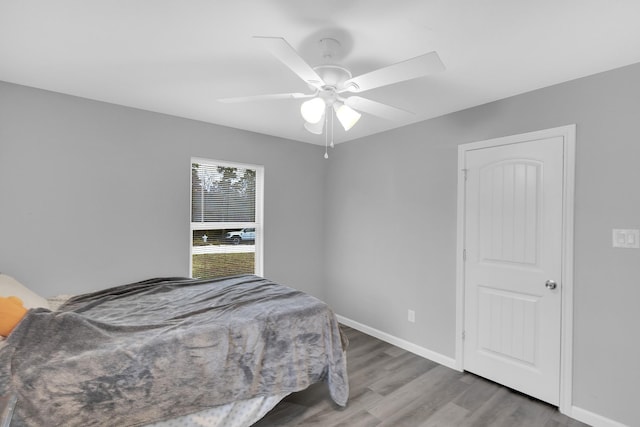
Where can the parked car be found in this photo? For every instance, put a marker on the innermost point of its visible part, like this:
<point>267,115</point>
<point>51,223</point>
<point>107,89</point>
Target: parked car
<point>241,235</point>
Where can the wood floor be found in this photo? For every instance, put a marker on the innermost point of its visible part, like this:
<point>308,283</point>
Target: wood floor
<point>392,387</point>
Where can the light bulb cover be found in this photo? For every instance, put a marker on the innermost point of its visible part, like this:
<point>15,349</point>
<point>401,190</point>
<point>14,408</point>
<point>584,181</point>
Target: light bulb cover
<point>313,110</point>
<point>315,128</point>
<point>346,115</point>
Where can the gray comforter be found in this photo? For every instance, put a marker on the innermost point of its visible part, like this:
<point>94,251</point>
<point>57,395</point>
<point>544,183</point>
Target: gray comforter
<point>163,348</point>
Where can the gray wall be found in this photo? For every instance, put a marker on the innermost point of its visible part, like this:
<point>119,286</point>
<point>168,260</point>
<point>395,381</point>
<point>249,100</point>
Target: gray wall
<point>94,195</point>
<point>391,227</point>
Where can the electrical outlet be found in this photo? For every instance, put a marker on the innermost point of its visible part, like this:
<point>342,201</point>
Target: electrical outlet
<point>411,316</point>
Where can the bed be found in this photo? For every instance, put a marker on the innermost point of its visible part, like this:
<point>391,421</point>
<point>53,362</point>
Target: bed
<point>171,350</point>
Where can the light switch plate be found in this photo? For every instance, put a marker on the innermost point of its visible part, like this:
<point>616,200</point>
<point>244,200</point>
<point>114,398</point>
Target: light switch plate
<point>629,238</point>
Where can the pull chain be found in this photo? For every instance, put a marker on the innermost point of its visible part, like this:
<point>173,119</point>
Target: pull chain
<point>326,134</point>
<point>331,131</point>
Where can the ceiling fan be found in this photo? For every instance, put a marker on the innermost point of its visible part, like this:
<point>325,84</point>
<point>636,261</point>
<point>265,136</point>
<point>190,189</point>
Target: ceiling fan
<point>331,85</point>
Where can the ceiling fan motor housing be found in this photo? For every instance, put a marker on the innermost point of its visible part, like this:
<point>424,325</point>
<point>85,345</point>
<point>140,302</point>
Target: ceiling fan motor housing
<point>333,76</point>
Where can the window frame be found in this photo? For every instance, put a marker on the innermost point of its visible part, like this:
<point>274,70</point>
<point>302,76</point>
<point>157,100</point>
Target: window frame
<point>258,224</point>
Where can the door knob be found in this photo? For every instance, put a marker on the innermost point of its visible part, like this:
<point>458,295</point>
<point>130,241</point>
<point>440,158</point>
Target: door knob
<point>550,284</point>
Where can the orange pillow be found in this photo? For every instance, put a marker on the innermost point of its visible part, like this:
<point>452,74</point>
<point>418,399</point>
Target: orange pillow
<point>11,313</point>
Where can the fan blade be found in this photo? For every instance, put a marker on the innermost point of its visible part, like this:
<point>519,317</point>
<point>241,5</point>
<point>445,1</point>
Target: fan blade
<point>266,97</point>
<point>377,108</point>
<point>289,57</point>
<point>399,72</point>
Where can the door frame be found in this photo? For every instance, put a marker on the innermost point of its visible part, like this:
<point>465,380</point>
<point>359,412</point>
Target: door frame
<point>568,133</point>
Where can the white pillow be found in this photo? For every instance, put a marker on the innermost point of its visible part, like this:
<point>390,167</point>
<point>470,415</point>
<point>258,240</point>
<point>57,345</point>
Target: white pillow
<point>11,287</point>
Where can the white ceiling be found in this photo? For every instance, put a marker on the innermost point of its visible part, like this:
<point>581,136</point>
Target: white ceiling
<point>179,57</point>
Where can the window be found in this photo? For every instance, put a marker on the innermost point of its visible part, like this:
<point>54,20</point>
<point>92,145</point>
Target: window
<point>226,218</point>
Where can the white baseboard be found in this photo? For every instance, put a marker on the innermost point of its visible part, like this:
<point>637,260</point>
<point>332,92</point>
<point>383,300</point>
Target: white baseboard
<point>399,342</point>
<point>592,419</point>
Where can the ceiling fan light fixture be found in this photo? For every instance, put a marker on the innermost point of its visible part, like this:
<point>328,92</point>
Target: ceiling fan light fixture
<point>346,115</point>
<point>315,128</point>
<point>313,110</point>
<point>329,80</point>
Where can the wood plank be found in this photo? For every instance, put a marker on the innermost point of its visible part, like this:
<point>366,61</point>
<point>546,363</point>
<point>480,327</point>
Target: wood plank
<point>447,416</point>
<point>476,395</point>
<point>398,375</point>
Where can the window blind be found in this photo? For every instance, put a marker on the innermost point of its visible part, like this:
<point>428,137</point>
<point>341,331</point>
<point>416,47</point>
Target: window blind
<point>226,212</point>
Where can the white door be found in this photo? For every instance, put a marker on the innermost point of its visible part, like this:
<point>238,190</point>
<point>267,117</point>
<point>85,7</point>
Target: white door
<point>513,265</point>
